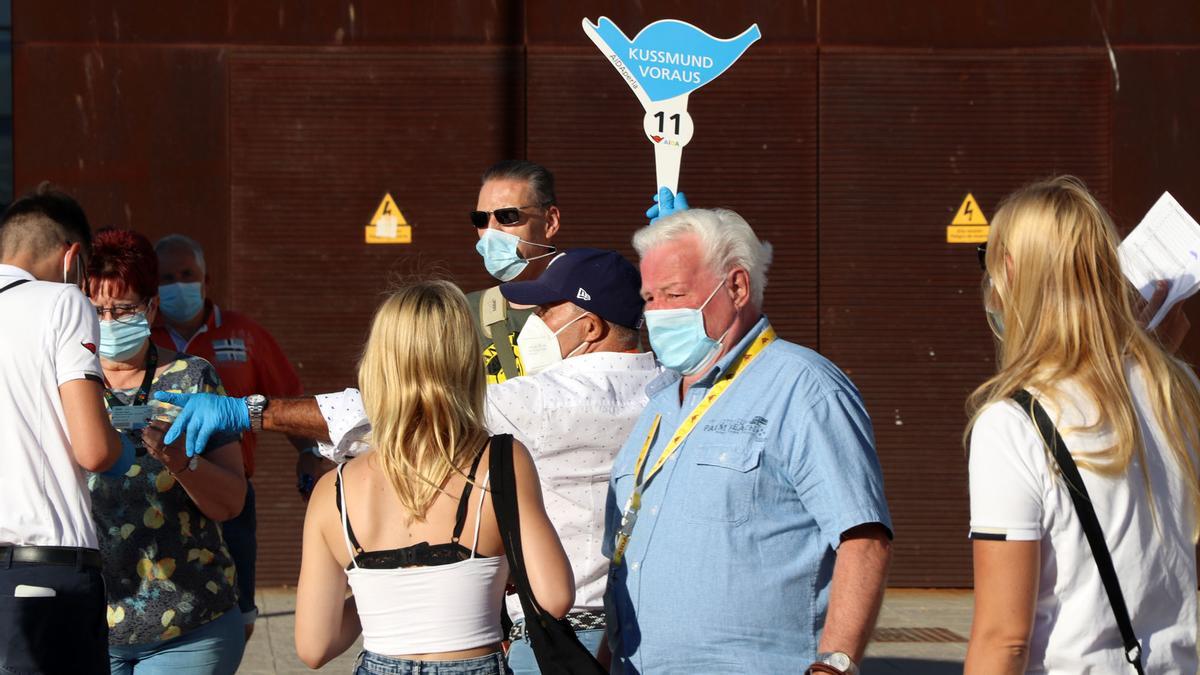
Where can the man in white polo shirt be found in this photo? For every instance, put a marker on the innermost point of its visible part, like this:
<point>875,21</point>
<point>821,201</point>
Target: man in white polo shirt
<point>53,425</point>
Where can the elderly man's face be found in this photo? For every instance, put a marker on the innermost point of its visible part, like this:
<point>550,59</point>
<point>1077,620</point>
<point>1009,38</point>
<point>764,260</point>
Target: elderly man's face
<point>177,264</point>
<point>675,275</point>
<point>537,223</point>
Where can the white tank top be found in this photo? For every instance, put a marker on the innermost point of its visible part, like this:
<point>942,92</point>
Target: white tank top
<point>424,610</point>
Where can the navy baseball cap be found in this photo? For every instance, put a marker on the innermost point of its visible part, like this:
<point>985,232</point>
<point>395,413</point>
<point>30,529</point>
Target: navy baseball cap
<point>602,282</point>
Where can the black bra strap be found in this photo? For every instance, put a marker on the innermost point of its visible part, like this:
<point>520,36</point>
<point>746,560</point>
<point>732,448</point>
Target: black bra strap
<point>337,494</point>
<point>461,518</point>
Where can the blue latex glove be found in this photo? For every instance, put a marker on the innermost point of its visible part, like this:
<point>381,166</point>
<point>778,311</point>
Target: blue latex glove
<point>666,203</point>
<point>128,455</point>
<point>203,416</point>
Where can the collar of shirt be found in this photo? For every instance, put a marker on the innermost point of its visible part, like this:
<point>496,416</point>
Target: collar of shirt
<point>14,271</point>
<point>671,378</point>
<point>213,322</point>
<point>603,361</point>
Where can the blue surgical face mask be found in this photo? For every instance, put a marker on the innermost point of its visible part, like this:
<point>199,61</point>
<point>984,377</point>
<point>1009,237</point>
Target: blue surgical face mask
<point>679,338</point>
<point>995,315</point>
<point>180,302</point>
<point>121,339</point>
<point>500,256</point>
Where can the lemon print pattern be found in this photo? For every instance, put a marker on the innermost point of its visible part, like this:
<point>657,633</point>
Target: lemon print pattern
<point>166,568</point>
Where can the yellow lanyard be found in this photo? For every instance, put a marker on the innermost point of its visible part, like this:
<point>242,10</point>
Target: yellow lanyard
<point>629,517</point>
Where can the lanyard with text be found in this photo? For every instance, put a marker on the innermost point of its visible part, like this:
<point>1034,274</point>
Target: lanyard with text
<point>629,517</point>
<point>143,394</point>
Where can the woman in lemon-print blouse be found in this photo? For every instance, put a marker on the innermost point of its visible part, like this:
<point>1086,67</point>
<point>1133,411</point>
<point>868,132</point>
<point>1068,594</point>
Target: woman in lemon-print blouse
<point>172,597</point>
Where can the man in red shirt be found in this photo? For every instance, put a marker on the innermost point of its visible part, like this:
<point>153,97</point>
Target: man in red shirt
<point>248,360</point>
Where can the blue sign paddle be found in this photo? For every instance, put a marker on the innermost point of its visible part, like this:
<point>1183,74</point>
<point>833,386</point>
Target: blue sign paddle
<point>663,64</point>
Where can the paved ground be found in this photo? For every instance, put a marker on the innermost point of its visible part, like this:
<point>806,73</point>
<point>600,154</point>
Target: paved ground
<point>272,649</point>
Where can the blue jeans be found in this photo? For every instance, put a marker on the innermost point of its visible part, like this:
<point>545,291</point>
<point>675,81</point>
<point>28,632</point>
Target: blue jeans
<point>370,663</point>
<point>241,537</point>
<point>522,661</point>
<point>212,649</point>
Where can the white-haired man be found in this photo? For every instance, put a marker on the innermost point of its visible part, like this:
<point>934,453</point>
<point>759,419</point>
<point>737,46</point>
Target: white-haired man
<point>747,528</point>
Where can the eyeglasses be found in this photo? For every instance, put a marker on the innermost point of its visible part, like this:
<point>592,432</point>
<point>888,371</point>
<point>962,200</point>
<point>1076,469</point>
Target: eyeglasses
<point>509,215</point>
<point>120,313</point>
<point>982,251</point>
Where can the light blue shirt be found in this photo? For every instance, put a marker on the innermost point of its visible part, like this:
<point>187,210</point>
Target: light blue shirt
<point>730,562</point>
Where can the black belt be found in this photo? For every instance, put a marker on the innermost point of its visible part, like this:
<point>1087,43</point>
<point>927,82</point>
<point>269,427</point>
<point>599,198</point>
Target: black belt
<point>51,555</point>
<point>582,620</point>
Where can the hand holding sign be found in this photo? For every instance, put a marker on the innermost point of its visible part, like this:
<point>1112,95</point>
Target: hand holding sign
<point>668,60</point>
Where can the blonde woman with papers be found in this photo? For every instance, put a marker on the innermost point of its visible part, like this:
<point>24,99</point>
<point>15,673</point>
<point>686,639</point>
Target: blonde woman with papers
<point>1083,468</point>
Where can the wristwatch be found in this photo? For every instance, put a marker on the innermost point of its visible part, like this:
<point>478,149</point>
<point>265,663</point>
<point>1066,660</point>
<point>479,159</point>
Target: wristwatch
<point>256,404</point>
<point>833,663</point>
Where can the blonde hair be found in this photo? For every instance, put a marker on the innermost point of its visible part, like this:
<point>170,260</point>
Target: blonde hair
<point>422,382</point>
<point>1068,313</point>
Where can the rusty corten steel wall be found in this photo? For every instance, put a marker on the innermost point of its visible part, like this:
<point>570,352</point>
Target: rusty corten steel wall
<point>847,136</point>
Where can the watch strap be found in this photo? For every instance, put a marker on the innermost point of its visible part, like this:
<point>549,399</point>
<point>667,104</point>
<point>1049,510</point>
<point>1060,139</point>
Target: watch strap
<point>816,668</point>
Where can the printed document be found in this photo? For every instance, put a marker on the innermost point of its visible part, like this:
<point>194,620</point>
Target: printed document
<point>1165,245</point>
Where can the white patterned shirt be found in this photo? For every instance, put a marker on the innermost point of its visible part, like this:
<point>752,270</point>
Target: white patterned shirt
<point>573,417</point>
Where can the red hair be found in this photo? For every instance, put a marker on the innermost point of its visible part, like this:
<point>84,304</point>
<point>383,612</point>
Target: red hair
<point>126,260</point>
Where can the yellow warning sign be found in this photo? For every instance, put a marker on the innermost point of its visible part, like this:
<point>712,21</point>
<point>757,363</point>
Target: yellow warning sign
<point>388,225</point>
<point>969,226</point>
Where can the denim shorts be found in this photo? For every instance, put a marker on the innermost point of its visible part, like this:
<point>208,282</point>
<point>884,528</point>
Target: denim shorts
<point>370,663</point>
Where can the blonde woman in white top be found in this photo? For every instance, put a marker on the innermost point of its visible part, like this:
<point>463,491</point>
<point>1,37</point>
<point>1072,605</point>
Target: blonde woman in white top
<point>410,525</point>
<point>1130,416</point>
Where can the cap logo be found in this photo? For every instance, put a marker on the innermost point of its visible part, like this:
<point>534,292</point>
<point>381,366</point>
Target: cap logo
<point>582,295</point>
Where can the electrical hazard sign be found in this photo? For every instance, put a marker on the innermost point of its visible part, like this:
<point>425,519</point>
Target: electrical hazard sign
<point>388,226</point>
<point>969,226</point>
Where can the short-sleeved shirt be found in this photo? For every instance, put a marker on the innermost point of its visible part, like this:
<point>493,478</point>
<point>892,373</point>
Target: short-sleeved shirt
<point>247,358</point>
<point>731,558</point>
<point>514,321</point>
<point>166,568</point>
<point>1017,496</point>
<point>49,338</point>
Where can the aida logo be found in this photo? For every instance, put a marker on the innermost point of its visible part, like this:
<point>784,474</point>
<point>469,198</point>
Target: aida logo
<point>582,295</point>
<point>90,346</point>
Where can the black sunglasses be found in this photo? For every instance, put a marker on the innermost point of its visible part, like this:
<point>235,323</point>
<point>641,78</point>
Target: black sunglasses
<point>510,215</point>
<point>982,251</point>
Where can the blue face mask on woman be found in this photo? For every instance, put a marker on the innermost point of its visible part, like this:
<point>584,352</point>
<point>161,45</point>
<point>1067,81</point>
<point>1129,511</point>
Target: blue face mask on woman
<point>500,256</point>
<point>180,302</point>
<point>122,339</point>
<point>679,339</point>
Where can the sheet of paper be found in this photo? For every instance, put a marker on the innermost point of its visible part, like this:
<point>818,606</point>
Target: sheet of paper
<point>1165,245</point>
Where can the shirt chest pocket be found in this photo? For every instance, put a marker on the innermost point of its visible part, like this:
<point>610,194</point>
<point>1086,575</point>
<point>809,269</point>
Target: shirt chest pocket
<point>722,481</point>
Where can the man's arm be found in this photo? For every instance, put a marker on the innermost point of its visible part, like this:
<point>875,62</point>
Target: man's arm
<point>299,418</point>
<point>206,414</point>
<point>859,577</point>
<point>94,443</point>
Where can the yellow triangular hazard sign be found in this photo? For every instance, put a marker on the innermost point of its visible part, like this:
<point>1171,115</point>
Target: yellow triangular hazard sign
<point>969,213</point>
<point>388,225</point>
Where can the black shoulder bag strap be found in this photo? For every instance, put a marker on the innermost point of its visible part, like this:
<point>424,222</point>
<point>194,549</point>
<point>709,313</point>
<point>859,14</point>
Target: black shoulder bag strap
<point>14,284</point>
<point>1089,521</point>
<point>555,646</point>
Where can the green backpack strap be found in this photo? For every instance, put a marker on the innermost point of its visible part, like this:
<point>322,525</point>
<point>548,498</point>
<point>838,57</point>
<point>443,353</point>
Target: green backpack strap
<point>493,322</point>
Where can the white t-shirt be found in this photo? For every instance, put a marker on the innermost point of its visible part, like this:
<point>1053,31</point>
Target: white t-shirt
<point>50,336</point>
<point>1017,496</point>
